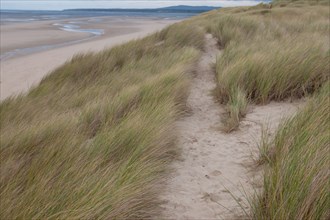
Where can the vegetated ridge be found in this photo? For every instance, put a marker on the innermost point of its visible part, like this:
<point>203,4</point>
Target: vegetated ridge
<point>95,138</point>
<point>171,9</point>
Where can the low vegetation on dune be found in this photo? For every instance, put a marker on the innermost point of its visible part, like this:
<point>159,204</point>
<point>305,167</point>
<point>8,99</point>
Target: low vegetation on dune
<point>296,181</point>
<point>269,53</point>
<point>93,139</point>
<point>280,52</point>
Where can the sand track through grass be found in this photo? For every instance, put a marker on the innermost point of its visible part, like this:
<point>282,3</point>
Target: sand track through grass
<point>94,138</point>
<point>214,165</point>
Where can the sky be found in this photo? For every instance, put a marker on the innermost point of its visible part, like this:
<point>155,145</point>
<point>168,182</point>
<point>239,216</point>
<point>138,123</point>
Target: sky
<point>69,4</point>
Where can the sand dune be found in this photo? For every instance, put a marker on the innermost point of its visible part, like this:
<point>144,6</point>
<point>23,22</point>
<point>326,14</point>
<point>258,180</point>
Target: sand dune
<point>18,74</point>
<point>215,173</point>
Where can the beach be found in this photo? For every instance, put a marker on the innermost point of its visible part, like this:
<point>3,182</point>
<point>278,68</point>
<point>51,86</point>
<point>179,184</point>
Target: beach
<point>31,50</point>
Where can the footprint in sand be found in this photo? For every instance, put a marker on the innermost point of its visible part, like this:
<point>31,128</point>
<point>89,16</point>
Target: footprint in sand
<point>216,173</point>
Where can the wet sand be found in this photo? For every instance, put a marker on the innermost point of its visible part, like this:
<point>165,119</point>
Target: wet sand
<point>49,46</point>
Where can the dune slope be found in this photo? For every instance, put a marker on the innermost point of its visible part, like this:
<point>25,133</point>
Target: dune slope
<point>97,137</point>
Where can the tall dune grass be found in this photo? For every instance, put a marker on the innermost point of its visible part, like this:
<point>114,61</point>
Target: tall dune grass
<point>93,139</point>
<point>275,53</point>
<point>270,53</point>
<point>296,183</point>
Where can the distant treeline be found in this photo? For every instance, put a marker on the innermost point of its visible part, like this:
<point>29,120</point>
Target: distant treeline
<point>174,9</point>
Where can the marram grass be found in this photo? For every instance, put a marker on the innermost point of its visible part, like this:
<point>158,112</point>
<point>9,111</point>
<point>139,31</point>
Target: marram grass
<point>92,141</point>
<point>270,53</point>
<point>296,181</point>
<point>280,52</point>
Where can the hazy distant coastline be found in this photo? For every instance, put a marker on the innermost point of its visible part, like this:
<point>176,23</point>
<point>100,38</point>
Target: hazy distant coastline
<point>176,12</point>
<point>171,9</point>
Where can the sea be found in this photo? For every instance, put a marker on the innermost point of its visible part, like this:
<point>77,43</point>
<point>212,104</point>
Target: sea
<point>10,16</point>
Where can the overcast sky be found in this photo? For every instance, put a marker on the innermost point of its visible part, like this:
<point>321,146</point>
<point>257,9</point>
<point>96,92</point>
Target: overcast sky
<point>66,4</point>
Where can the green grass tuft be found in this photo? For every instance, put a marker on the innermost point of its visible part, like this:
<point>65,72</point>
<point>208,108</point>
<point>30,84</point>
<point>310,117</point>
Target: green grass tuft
<point>296,183</point>
<point>270,53</point>
<point>236,108</point>
<point>93,140</point>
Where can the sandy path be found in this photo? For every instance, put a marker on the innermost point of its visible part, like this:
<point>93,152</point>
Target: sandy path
<point>214,163</point>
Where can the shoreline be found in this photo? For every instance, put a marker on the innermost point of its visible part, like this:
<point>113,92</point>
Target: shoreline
<point>67,31</point>
<point>20,73</point>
